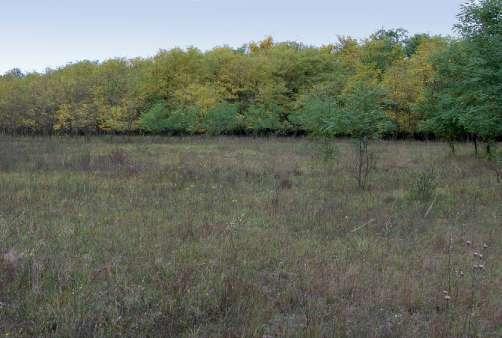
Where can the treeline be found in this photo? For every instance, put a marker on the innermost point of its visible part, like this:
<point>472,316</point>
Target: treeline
<point>396,83</point>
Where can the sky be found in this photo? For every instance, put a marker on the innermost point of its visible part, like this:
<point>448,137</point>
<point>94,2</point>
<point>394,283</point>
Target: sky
<point>36,34</point>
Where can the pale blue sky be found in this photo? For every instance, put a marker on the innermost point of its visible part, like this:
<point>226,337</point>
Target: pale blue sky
<point>35,34</point>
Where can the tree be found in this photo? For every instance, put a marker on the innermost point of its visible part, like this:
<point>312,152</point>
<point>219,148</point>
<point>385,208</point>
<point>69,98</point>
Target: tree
<point>14,73</point>
<point>465,97</point>
<point>384,48</point>
<point>446,88</point>
<point>78,109</point>
<point>115,95</point>
<point>412,43</point>
<point>405,83</point>
<point>361,116</point>
<point>441,104</point>
<point>480,24</point>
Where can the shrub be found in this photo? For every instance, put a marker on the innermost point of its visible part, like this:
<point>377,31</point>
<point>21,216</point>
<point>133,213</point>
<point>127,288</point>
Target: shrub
<point>159,118</point>
<point>154,118</point>
<point>313,115</point>
<point>224,119</point>
<point>183,121</point>
<point>325,149</point>
<point>424,186</point>
<point>263,120</point>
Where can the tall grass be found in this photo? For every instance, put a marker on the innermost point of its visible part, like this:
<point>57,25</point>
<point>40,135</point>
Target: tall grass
<point>246,237</point>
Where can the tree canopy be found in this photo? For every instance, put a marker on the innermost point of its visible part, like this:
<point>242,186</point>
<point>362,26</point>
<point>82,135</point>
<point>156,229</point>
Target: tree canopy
<point>419,84</point>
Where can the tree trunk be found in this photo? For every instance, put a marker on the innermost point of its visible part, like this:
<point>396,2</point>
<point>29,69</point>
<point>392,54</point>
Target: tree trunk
<point>360,164</point>
<point>363,163</point>
<point>489,151</point>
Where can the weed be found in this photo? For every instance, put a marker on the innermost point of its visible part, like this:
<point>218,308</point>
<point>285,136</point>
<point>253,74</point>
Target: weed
<point>424,186</point>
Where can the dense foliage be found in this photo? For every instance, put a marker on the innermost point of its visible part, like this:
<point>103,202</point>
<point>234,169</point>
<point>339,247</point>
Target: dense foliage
<point>451,88</point>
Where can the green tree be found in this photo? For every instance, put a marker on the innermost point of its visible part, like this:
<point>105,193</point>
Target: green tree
<point>480,24</point>
<point>441,105</point>
<point>465,96</point>
<point>384,48</point>
<point>361,116</point>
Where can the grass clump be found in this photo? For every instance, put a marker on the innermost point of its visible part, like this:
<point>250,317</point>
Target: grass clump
<point>424,186</point>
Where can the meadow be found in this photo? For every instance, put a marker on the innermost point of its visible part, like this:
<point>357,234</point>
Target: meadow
<point>247,237</point>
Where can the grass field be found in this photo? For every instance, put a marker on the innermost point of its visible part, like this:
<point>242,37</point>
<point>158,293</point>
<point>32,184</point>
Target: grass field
<point>244,237</point>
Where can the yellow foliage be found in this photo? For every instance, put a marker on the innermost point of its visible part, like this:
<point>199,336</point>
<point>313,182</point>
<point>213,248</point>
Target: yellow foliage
<point>202,96</point>
<point>405,82</point>
<point>63,117</point>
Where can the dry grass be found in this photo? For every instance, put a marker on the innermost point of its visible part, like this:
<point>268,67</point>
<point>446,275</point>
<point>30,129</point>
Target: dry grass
<point>243,237</point>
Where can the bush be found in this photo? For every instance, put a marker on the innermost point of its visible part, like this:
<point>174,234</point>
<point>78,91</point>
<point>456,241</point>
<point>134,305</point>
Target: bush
<point>183,121</point>
<point>313,115</point>
<point>159,118</point>
<point>263,120</point>
<point>224,119</point>
<point>424,186</point>
<point>325,149</point>
<point>152,119</point>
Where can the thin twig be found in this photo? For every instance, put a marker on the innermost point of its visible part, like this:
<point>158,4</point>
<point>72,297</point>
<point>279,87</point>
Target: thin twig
<point>365,224</point>
<point>430,207</point>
